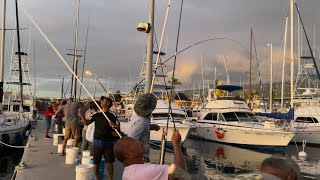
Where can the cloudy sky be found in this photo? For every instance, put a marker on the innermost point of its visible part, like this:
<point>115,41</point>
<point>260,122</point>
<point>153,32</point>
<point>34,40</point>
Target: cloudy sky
<point>116,48</point>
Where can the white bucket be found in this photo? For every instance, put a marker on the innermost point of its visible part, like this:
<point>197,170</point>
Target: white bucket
<point>56,128</point>
<point>71,155</point>
<point>83,171</point>
<point>56,139</point>
<point>86,159</point>
<point>59,148</point>
<point>86,153</point>
<point>64,131</point>
<point>70,142</point>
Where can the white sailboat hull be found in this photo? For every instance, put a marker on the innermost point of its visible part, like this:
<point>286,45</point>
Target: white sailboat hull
<point>12,131</point>
<point>312,137</point>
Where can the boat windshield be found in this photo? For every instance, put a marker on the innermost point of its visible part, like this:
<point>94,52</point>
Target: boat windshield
<point>230,116</point>
<point>211,116</point>
<point>239,116</point>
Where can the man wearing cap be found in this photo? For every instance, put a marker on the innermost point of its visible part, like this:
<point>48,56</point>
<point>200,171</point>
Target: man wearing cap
<point>140,121</point>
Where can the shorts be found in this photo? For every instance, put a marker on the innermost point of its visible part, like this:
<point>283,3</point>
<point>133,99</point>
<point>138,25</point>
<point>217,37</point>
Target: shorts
<point>100,148</point>
<point>73,130</point>
<point>48,123</point>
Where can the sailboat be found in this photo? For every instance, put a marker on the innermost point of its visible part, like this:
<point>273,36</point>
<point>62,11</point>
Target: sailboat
<point>13,122</point>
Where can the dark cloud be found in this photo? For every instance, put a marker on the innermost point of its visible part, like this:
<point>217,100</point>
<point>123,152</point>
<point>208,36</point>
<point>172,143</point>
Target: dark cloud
<point>114,44</point>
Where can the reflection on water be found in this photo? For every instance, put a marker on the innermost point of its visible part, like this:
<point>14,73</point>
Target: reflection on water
<point>9,158</point>
<point>207,160</point>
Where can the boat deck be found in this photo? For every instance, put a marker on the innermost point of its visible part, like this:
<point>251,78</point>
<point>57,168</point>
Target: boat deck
<point>43,161</point>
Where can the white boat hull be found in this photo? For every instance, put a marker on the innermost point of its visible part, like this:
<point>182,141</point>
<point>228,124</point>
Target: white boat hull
<point>12,134</point>
<point>312,137</point>
<point>245,136</point>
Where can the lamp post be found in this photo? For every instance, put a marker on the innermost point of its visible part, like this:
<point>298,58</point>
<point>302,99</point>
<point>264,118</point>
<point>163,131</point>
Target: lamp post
<point>95,82</point>
<point>270,77</point>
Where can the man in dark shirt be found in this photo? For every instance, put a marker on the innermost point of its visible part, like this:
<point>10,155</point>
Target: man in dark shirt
<point>104,137</point>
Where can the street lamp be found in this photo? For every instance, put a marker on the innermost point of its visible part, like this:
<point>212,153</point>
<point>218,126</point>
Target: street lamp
<point>270,45</point>
<point>89,73</point>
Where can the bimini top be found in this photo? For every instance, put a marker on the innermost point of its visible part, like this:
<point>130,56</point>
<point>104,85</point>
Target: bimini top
<point>229,88</point>
<point>155,86</point>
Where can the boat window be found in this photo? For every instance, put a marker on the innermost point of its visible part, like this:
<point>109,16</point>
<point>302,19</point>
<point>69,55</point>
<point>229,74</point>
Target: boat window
<point>243,116</point>
<point>307,119</point>
<point>252,117</point>
<point>16,108</point>
<point>26,108</point>
<point>6,108</point>
<point>211,116</point>
<point>230,116</point>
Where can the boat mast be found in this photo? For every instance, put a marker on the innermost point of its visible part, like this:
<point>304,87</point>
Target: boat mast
<point>76,57</point>
<point>149,58</point>
<point>291,52</point>
<point>271,79</point>
<point>249,93</point>
<point>283,60</point>
<point>2,50</point>
<point>19,55</point>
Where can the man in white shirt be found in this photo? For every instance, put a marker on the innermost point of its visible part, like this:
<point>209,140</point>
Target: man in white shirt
<point>130,152</point>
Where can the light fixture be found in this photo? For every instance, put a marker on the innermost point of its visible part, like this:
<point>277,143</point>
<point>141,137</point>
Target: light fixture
<point>146,27</point>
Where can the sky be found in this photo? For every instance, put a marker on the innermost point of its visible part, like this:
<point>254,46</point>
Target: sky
<point>115,49</point>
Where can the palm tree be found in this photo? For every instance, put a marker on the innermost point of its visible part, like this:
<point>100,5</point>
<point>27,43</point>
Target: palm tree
<point>175,81</point>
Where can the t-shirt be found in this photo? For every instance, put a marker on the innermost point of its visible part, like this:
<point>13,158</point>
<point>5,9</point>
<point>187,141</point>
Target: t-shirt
<point>48,112</point>
<point>146,171</point>
<point>103,131</point>
<point>70,112</point>
<point>140,129</point>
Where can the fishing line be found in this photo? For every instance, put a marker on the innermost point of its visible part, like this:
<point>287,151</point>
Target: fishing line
<point>69,68</point>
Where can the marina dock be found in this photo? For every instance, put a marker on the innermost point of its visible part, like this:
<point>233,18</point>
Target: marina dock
<point>43,161</point>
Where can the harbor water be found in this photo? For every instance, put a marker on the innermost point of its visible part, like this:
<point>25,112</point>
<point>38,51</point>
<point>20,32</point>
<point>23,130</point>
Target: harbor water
<point>9,159</point>
<point>205,160</point>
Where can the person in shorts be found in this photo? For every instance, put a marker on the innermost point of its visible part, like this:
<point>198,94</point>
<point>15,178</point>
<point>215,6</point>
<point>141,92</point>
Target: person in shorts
<point>72,129</point>
<point>104,137</point>
<point>48,114</point>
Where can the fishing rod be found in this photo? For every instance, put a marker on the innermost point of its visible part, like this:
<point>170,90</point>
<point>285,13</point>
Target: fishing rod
<point>164,139</point>
<point>69,68</point>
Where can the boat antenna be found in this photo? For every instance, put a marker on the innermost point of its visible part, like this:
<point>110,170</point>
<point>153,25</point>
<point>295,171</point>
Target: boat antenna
<point>84,57</point>
<point>19,55</point>
<point>171,93</point>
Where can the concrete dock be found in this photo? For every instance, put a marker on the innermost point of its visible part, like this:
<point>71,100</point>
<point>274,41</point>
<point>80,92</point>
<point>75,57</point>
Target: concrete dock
<point>43,161</point>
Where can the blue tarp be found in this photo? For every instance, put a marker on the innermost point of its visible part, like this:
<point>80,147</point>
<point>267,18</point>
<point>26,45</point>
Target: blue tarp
<point>287,116</point>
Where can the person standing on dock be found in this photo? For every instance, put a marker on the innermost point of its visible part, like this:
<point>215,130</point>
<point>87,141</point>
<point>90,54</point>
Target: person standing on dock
<point>140,121</point>
<point>59,117</point>
<point>48,114</point>
<point>70,111</point>
<point>104,137</point>
<point>85,120</point>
